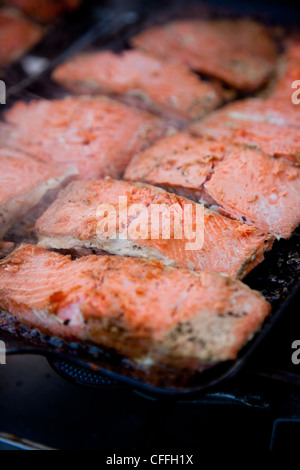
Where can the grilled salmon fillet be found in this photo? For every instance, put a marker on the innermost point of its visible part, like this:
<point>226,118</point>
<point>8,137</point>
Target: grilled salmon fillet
<point>97,135</point>
<point>17,36</point>
<point>245,183</point>
<point>205,240</point>
<point>269,125</point>
<point>259,189</point>
<point>179,163</point>
<point>23,182</point>
<point>138,78</point>
<point>44,10</point>
<point>238,52</point>
<point>290,71</point>
<point>140,308</point>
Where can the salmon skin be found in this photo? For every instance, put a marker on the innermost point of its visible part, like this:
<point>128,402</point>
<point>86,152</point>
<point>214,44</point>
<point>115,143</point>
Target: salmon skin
<point>270,125</point>
<point>259,190</point>
<point>23,182</point>
<point>97,135</point>
<point>243,183</point>
<point>45,10</point>
<point>239,52</point>
<point>204,241</point>
<point>17,36</point>
<point>144,310</point>
<point>165,88</point>
<point>179,163</point>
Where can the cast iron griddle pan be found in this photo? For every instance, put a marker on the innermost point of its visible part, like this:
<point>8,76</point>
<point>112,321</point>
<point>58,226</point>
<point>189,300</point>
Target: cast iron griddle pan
<point>277,277</point>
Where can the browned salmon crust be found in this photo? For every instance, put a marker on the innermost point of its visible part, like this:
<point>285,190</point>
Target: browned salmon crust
<point>144,310</point>
<point>75,221</point>
<point>169,89</point>
<point>97,135</point>
<point>23,182</point>
<point>239,52</point>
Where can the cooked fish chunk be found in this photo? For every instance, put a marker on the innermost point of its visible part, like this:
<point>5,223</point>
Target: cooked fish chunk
<point>203,240</point>
<point>165,88</point>
<point>290,72</point>
<point>269,125</point>
<point>97,135</point>
<point>179,163</point>
<point>17,36</point>
<point>23,182</point>
<point>44,10</point>
<point>142,309</point>
<point>252,186</point>
<point>246,183</point>
<point>239,52</point>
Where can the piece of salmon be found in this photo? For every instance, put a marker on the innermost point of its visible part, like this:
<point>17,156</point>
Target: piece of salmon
<point>179,163</point>
<point>269,125</point>
<point>257,189</point>
<point>169,89</point>
<point>239,52</point>
<point>140,308</point>
<point>270,111</point>
<point>44,10</point>
<point>122,218</point>
<point>246,183</point>
<point>17,36</point>
<point>290,71</point>
<point>24,180</point>
<point>97,135</point>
